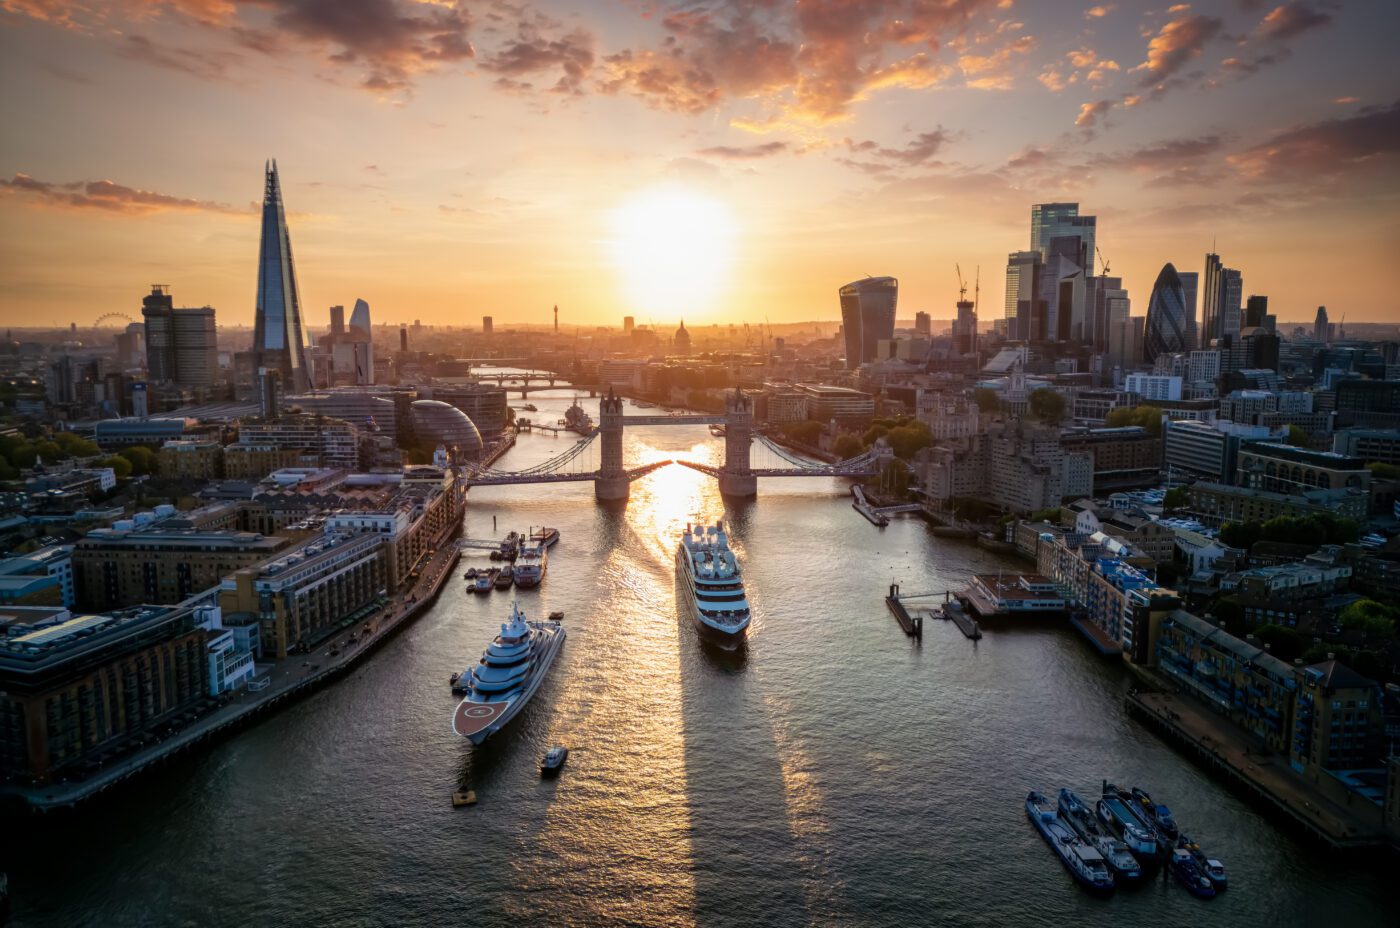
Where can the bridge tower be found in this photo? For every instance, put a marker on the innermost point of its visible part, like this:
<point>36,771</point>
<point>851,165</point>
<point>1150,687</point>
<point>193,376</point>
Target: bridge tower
<point>612,482</point>
<point>737,479</point>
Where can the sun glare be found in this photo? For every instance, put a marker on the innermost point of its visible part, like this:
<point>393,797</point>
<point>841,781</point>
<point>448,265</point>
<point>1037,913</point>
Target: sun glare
<point>673,249</point>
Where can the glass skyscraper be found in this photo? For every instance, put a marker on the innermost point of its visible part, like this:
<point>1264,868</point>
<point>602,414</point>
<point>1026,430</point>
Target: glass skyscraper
<point>1023,320</point>
<point>1210,300</point>
<point>1166,331</point>
<point>279,337</point>
<point>1190,285</point>
<point>867,315</point>
<point>1065,241</point>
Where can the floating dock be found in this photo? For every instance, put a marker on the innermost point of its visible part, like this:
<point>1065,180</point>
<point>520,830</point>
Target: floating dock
<point>913,625</point>
<point>954,612</point>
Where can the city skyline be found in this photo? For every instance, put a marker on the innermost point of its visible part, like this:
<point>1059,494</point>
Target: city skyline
<point>497,160</point>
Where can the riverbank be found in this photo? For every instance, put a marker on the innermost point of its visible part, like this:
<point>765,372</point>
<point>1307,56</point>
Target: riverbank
<point>285,682</point>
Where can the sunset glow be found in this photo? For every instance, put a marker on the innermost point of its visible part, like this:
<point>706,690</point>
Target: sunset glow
<point>673,250</point>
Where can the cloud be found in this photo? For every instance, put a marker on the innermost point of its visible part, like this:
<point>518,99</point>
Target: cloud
<point>1292,20</point>
<point>209,65</point>
<point>919,152</point>
<point>1346,100</point>
<point>1099,12</point>
<point>108,196</point>
<point>744,152</point>
<point>1178,42</point>
<point>994,71</point>
<point>1091,113</point>
<point>531,52</point>
<point>1326,150</point>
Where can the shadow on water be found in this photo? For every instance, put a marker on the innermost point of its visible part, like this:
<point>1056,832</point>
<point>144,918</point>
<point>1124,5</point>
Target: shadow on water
<point>735,793</point>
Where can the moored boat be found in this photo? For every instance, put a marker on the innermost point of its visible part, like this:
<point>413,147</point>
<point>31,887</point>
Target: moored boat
<point>1213,869</point>
<point>553,761</point>
<point>1159,815</point>
<point>505,577</point>
<point>1083,862</point>
<point>531,565</point>
<point>485,580</point>
<point>1120,860</point>
<point>1184,868</point>
<point>544,535</point>
<point>508,674</point>
<point>1114,812</point>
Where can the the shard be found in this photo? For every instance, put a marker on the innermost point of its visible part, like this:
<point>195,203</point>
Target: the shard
<point>279,338</point>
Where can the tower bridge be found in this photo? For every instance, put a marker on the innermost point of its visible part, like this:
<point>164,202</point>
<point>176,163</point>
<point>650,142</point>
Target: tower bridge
<point>737,477</point>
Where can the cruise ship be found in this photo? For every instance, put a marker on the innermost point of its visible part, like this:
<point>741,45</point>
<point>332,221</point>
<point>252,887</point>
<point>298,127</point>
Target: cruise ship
<point>531,564</point>
<point>712,586</point>
<point>511,669</point>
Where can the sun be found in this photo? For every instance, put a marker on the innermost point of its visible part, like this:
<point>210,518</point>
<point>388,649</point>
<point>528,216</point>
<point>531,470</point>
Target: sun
<point>673,249</point>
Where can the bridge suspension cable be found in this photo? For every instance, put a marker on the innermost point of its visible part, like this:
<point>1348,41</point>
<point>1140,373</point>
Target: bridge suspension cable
<point>553,465</point>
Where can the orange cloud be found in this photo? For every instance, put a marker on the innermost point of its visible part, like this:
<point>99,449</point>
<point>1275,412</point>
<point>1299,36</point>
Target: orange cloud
<point>108,196</point>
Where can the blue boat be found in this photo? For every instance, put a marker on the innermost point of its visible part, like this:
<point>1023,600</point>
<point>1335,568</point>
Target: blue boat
<point>1213,869</point>
<point>1159,815</point>
<point>1120,860</point>
<point>1184,868</point>
<point>1118,816</point>
<point>1083,862</point>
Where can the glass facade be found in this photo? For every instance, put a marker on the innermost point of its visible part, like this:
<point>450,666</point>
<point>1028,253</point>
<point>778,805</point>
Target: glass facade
<point>867,316</point>
<point>279,337</point>
<point>1166,331</point>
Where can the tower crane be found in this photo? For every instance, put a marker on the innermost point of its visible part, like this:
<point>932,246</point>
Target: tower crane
<point>962,287</point>
<point>1102,259</point>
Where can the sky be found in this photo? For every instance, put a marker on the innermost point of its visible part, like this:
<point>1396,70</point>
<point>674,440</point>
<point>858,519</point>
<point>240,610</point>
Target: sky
<point>717,160</point>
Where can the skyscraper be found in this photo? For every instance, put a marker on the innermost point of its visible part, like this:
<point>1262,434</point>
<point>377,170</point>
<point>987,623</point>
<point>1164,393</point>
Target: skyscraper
<point>181,344</point>
<point>965,328</point>
<point>1166,331</point>
<point>1320,327</point>
<point>1231,296</point>
<point>279,337</point>
<point>1065,241</point>
<point>923,324</point>
<point>1190,287</point>
<point>1256,310</point>
<point>337,321</point>
<point>361,343</point>
<point>1210,301</point>
<point>1025,316</point>
<point>867,315</point>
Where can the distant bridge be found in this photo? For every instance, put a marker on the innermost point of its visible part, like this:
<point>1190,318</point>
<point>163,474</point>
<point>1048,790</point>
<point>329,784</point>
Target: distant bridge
<point>736,476</point>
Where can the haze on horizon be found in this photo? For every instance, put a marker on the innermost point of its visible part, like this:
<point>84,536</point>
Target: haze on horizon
<point>721,161</point>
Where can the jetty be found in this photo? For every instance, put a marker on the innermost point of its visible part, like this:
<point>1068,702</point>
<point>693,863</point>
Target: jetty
<point>913,624</point>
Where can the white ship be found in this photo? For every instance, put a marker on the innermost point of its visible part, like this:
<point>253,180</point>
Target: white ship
<point>712,586</point>
<point>531,564</point>
<point>511,669</point>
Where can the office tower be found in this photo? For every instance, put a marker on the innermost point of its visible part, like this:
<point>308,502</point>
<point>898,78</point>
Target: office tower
<point>1125,341</point>
<point>1165,331</point>
<point>279,338</point>
<point>1320,327</point>
<point>1256,309</point>
<point>403,339</point>
<point>486,323</point>
<point>965,328</point>
<point>1210,301</point>
<point>337,321</point>
<point>140,402</point>
<point>1231,295</point>
<point>1190,287</point>
<point>269,393</point>
<point>362,344</point>
<point>181,344</point>
<point>923,324</point>
<point>1065,241</point>
<point>867,314</point>
<point>1100,296</point>
<point>1025,316</point>
<point>157,310</point>
<point>628,324</point>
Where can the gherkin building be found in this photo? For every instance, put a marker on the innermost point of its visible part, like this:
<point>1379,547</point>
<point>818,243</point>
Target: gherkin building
<point>1168,329</point>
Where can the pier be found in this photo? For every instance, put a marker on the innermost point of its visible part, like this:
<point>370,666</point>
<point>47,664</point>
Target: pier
<point>913,625</point>
<point>1216,744</point>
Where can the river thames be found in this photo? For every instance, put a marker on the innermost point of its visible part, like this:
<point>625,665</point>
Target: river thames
<point>831,773</point>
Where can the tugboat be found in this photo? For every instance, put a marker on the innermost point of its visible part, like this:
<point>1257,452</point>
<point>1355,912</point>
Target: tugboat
<point>1156,813</point>
<point>1118,816</point>
<point>1189,875</point>
<point>1213,869</point>
<point>1115,853</point>
<point>1084,863</point>
<point>554,761</point>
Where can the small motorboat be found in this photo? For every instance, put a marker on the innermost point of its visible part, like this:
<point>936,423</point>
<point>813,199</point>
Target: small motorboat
<point>1183,867</point>
<point>1212,868</point>
<point>1156,814</point>
<point>470,574</point>
<point>484,580</point>
<point>554,761</point>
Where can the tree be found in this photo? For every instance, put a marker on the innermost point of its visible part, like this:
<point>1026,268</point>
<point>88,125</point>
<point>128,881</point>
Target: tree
<point>1241,535</point>
<point>1046,515</point>
<point>143,460</point>
<point>1177,498</point>
<point>1047,406</point>
<point>874,433</point>
<point>804,432</point>
<point>987,399</point>
<point>906,440</point>
<point>894,480</point>
<point>1382,471</point>
<point>1231,613</point>
<point>121,467</point>
<point>1147,417</point>
<point>1369,616</point>
<point>1298,437</point>
<point>847,446</point>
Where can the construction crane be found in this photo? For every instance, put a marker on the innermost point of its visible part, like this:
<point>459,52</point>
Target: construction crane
<point>1101,259</point>
<point>962,287</point>
<point>977,287</point>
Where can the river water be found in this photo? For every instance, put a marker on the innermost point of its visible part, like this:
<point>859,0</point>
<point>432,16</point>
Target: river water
<point>831,773</point>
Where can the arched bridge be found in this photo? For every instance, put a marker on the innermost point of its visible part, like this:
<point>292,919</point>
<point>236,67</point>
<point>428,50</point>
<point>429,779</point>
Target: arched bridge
<point>736,476</point>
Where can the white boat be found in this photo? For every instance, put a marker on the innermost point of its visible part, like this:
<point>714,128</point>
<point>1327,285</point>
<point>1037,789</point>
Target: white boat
<point>508,674</point>
<point>712,587</point>
<point>530,565</point>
